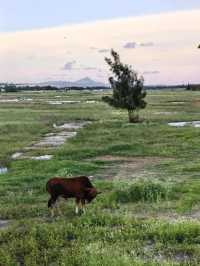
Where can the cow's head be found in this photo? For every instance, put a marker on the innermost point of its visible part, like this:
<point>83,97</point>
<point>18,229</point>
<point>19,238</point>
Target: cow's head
<point>91,194</point>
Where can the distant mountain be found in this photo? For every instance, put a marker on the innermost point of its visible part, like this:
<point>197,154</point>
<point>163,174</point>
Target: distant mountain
<point>85,82</point>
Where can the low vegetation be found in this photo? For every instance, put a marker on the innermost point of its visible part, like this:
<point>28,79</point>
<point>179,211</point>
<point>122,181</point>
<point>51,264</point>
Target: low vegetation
<point>148,213</point>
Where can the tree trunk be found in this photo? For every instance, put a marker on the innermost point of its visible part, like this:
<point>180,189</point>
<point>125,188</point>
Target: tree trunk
<point>133,116</point>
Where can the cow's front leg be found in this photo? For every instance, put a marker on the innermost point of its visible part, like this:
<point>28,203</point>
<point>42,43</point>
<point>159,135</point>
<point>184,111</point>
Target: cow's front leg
<point>57,205</point>
<point>77,205</point>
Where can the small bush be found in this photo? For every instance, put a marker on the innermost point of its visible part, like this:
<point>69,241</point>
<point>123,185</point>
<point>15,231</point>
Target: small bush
<point>180,232</point>
<point>146,191</point>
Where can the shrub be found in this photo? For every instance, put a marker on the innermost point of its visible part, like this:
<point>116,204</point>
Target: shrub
<point>143,191</point>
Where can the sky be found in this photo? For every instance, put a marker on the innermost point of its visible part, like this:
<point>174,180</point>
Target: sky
<point>68,40</point>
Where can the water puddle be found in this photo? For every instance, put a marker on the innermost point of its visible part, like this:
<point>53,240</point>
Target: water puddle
<point>165,113</point>
<point>62,102</point>
<point>23,99</point>
<point>55,140</point>
<point>42,157</point>
<point>71,126</point>
<point>90,101</point>
<point>9,101</point>
<point>3,170</point>
<point>52,140</point>
<point>3,224</point>
<point>16,155</point>
<point>177,102</point>
<point>195,124</point>
<point>27,99</point>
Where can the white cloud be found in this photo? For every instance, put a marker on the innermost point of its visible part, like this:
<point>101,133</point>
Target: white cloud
<point>103,50</point>
<point>69,65</point>
<point>147,44</point>
<point>153,72</point>
<point>130,45</point>
<point>175,54</point>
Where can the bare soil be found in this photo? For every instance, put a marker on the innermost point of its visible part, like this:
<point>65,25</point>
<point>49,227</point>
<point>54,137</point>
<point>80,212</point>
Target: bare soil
<point>127,167</point>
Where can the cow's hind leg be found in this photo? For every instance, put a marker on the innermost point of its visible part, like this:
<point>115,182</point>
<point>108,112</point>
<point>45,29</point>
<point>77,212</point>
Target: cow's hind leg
<point>58,207</point>
<point>83,205</point>
<point>51,205</point>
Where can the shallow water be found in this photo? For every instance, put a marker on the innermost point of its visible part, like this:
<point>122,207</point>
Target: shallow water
<point>62,102</point>
<point>56,140</point>
<point>90,101</point>
<point>9,100</point>
<point>195,124</point>
<point>177,102</point>
<point>72,125</point>
<point>165,113</point>
<point>3,224</point>
<point>52,140</point>
<point>16,155</point>
<point>3,170</point>
<point>42,157</point>
<point>27,99</point>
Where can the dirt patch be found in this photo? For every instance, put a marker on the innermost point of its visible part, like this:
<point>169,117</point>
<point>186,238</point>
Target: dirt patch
<point>113,158</point>
<point>196,103</point>
<point>173,217</point>
<point>127,167</point>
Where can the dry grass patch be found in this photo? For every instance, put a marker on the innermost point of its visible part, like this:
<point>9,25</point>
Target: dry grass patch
<point>119,167</point>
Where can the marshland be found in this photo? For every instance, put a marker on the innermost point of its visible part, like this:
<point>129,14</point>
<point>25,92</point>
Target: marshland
<point>149,174</point>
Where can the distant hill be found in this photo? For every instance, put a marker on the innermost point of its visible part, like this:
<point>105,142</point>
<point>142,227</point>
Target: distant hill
<point>85,82</point>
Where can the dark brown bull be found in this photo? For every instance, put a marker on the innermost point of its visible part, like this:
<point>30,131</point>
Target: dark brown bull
<point>79,188</point>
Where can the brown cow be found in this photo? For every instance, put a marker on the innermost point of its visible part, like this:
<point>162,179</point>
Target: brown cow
<point>79,188</point>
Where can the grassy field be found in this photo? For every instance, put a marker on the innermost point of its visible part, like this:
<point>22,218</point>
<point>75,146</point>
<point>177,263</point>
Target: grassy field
<point>149,173</point>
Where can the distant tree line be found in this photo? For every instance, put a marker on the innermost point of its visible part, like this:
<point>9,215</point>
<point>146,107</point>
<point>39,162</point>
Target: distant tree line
<point>171,87</point>
<point>17,88</point>
<point>87,88</point>
<point>164,87</point>
<point>193,87</point>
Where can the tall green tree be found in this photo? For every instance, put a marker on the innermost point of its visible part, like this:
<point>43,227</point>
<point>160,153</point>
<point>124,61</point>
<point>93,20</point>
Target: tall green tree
<point>128,88</point>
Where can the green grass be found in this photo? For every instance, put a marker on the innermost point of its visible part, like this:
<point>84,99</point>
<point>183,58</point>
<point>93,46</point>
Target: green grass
<point>146,215</point>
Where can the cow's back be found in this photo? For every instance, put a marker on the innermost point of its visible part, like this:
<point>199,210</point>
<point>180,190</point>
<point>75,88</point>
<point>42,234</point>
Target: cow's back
<point>83,180</point>
<point>68,187</point>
